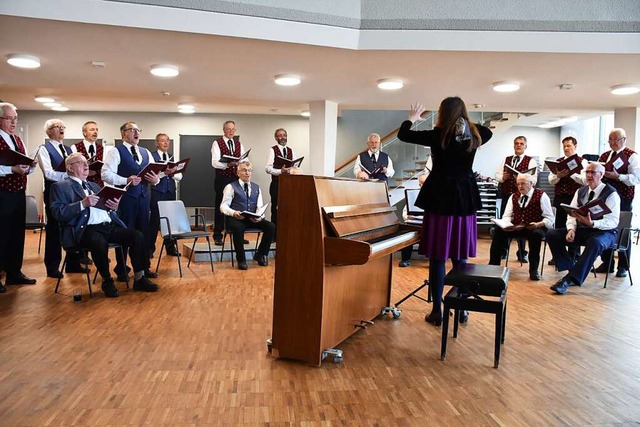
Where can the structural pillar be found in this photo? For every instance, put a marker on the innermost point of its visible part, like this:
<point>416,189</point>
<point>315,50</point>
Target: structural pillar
<point>629,120</point>
<point>323,132</point>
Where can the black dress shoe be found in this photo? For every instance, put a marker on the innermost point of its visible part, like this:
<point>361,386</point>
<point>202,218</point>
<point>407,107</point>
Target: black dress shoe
<point>145,285</point>
<point>122,278</point>
<point>2,288</point>
<point>109,289</point>
<point>86,261</point>
<point>217,242</point>
<point>20,279</point>
<point>261,259</point>
<point>76,269</point>
<point>150,274</point>
<point>242,265</point>
<point>602,268</point>
<point>55,274</point>
<point>405,263</point>
<point>534,275</point>
<point>622,272</point>
<point>561,286</point>
<point>552,262</point>
<point>434,318</point>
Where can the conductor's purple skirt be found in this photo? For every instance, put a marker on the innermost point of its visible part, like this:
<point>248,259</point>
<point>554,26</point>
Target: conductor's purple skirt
<point>446,236</point>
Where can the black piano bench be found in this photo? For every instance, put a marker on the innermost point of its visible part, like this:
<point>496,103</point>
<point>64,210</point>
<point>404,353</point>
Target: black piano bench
<point>480,288</point>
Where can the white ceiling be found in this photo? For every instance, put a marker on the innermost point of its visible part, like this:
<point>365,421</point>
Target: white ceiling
<point>235,75</point>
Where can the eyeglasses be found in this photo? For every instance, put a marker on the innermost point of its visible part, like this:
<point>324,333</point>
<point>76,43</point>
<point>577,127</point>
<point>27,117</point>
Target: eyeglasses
<point>10,119</point>
<point>617,139</point>
<point>79,161</point>
<point>592,172</point>
<point>134,130</point>
<point>59,127</point>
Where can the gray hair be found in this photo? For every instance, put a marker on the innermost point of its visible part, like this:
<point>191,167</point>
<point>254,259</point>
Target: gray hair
<point>50,123</point>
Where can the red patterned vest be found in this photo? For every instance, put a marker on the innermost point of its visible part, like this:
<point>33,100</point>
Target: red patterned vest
<point>278,152</point>
<point>625,191</point>
<point>224,151</point>
<point>99,156</point>
<point>531,213</point>
<point>13,182</point>
<point>509,185</point>
<point>567,186</point>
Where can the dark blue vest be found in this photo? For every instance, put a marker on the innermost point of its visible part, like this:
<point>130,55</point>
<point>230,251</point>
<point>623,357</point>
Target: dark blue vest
<point>383,161</point>
<point>166,184</point>
<point>239,201</point>
<point>604,194</point>
<point>56,158</point>
<point>128,167</point>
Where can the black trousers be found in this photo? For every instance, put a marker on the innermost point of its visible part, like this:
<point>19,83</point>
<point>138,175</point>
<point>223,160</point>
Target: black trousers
<point>219,183</point>
<point>273,193</point>
<point>500,242</point>
<point>96,238</point>
<point>154,222</point>
<point>12,220</point>
<point>237,228</point>
<point>134,212</point>
<point>52,245</point>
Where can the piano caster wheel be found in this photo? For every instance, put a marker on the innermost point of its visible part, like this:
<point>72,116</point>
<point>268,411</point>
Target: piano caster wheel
<point>395,312</point>
<point>336,355</point>
<point>337,359</point>
<point>269,345</point>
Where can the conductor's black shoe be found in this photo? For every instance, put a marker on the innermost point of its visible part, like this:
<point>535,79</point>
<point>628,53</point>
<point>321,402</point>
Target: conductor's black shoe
<point>145,285</point>
<point>622,272</point>
<point>534,275</point>
<point>242,265</point>
<point>602,268</point>
<point>150,274</point>
<point>261,259</point>
<point>20,279</point>
<point>109,288</point>
<point>404,263</point>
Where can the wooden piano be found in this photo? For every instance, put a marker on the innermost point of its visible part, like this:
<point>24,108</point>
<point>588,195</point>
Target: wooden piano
<point>336,237</point>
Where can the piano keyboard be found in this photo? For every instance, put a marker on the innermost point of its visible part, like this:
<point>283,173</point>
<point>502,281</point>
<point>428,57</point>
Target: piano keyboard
<point>396,240</point>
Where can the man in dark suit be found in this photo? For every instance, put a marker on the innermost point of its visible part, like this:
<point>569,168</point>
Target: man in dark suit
<point>13,182</point>
<point>164,190</point>
<point>595,235</point>
<point>72,204</point>
<point>244,195</point>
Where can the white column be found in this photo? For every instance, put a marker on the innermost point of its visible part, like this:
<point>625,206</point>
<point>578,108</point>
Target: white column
<point>629,120</point>
<point>323,131</point>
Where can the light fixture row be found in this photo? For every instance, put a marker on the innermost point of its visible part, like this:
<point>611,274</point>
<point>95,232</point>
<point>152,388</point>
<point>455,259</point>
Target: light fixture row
<point>51,103</point>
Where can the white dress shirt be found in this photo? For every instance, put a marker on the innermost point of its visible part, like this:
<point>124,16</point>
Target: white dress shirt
<point>357,167</point>
<point>227,197</point>
<point>112,161</point>
<point>215,153</point>
<point>632,177</point>
<point>608,221</point>
<point>545,204</point>
<point>44,161</point>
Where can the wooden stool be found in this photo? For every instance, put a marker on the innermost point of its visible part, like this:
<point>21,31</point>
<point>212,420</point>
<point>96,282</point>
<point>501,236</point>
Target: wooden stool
<point>471,283</point>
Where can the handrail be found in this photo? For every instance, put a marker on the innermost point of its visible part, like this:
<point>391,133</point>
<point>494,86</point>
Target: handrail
<point>384,141</point>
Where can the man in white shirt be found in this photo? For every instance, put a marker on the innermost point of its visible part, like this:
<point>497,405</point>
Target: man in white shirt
<point>275,168</point>
<point>240,196</point>
<point>595,235</point>
<point>373,163</point>
<point>90,148</point>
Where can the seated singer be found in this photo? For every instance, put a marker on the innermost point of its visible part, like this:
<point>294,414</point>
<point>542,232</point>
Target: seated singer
<point>72,201</point>
<point>531,207</point>
<point>594,235</point>
<point>244,195</point>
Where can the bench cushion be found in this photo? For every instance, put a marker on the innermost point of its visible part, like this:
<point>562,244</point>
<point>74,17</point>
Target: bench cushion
<point>490,280</point>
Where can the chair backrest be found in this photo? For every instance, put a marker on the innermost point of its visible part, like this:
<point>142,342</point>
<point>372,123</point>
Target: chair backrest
<point>32,210</point>
<point>175,211</point>
<point>624,229</point>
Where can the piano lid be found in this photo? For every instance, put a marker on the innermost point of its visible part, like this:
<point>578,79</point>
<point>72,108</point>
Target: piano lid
<point>349,220</point>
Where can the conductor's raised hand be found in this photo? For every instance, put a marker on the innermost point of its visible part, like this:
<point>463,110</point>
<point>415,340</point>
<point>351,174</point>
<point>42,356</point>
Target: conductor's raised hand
<point>416,112</point>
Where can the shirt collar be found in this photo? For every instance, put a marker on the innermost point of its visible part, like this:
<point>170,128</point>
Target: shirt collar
<point>6,137</point>
<point>76,179</point>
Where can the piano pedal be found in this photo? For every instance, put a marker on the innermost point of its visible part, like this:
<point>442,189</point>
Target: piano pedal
<point>393,310</point>
<point>335,353</point>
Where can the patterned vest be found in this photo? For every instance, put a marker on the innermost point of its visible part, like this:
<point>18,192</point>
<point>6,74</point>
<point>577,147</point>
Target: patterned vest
<point>382,161</point>
<point>128,167</point>
<point>277,152</point>
<point>13,182</point>
<point>224,151</point>
<point>99,156</point>
<point>166,184</point>
<point>531,213</point>
<point>566,186</point>
<point>56,158</point>
<point>509,185</point>
<point>625,191</point>
<point>604,194</point>
<point>240,202</point>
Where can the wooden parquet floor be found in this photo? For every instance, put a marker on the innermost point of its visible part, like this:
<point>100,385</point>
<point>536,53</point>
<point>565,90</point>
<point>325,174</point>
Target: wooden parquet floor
<point>195,353</point>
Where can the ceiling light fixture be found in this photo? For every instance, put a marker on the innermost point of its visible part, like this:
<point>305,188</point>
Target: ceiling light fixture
<point>43,99</point>
<point>305,113</point>
<point>52,104</point>
<point>22,60</point>
<point>186,108</point>
<point>287,79</point>
<point>625,89</point>
<point>390,84</point>
<point>61,108</point>
<point>506,86</point>
<point>164,70</point>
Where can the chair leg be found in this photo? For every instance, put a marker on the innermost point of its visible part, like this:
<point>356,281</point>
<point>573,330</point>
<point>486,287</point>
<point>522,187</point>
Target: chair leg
<point>122,259</point>
<point>193,247</point>
<point>40,241</point>
<point>160,255</point>
<point>606,277</point>
<point>498,336</point>
<point>506,261</point>
<point>224,240</point>
<point>210,254</point>
<point>64,262</point>
<point>445,332</point>
<point>544,252</point>
<point>179,263</point>
<point>232,249</point>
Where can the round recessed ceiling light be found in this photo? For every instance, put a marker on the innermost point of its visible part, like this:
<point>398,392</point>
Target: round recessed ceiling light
<point>186,111</point>
<point>390,84</point>
<point>287,79</point>
<point>506,86</point>
<point>305,113</point>
<point>22,60</point>
<point>186,107</point>
<point>61,108</point>
<point>164,70</point>
<point>43,99</point>
<point>52,104</point>
<point>625,89</point>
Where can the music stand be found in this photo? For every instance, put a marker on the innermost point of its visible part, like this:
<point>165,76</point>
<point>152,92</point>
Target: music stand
<point>410,196</point>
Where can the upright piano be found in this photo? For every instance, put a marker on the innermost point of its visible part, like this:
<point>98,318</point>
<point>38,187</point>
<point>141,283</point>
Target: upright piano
<point>336,237</point>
